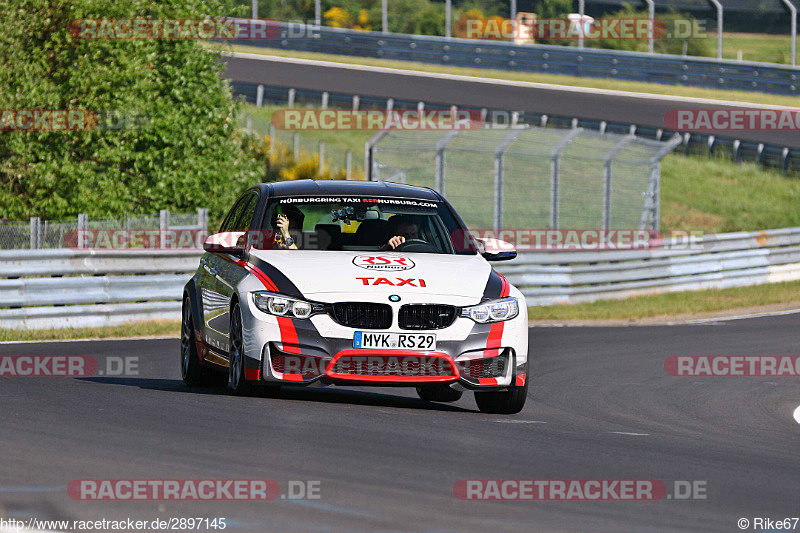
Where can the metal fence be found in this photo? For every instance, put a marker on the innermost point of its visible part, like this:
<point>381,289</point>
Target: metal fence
<point>773,156</point>
<point>84,288</point>
<point>527,177</point>
<point>571,61</point>
<point>331,159</point>
<point>38,233</point>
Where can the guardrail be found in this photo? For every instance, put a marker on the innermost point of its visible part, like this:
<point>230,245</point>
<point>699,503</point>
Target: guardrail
<point>712,261</point>
<point>64,288</point>
<point>587,62</point>
<point>82,288</point>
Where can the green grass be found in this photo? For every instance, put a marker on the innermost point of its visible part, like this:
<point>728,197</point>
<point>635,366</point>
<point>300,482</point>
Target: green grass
<point>670,304</point>
<point>574,81</point>
<point>138,329</point>
<point>716,195</point>
<point>767,48</point>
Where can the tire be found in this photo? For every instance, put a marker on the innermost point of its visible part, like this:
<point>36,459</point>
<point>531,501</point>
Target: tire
<point>236,381</point>
<point>438,393</point>
<point>192,372</point>
<point>503,403</point>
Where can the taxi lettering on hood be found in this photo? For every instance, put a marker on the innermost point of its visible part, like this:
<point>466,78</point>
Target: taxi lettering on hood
<point>395,282</point>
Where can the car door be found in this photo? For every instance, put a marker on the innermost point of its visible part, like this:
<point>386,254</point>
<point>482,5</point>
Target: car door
<point>214,294</point>
<point>228,270</point>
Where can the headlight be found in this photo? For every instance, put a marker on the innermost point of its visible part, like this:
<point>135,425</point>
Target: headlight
<point>279,305</point>
<point>492,311</point>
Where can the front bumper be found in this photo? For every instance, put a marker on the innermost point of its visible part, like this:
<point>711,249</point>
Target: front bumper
<point>319,352</point>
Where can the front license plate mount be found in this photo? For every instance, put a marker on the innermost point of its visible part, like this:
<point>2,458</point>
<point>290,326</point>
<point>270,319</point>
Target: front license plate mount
<point>394,341</point>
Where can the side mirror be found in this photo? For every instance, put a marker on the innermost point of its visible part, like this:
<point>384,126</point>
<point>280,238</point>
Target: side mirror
<point>227,242</point>
<point>496,250</point>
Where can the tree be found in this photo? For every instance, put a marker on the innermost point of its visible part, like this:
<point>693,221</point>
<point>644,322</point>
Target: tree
<point>185,151</point>
<point>665,26</point>
<point>553,9</point>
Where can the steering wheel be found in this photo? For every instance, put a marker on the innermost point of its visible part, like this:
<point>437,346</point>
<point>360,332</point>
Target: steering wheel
<point>415,245</point>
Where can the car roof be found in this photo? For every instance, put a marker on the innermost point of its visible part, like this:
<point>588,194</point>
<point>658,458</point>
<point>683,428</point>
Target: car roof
<point>352,188</point>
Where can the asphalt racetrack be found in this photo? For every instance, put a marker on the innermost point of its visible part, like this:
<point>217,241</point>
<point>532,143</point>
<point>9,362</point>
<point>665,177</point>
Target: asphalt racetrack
<point>477,93</point>
<point>601,407</point>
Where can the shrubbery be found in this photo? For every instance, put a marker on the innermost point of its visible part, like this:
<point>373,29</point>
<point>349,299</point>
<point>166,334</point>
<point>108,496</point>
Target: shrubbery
<point>187,153</point>
<point>281,166</point>
<point>694,47</point>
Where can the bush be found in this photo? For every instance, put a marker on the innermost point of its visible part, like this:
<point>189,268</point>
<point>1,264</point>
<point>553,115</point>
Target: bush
<point>186,154</point>
<point>553,9</point>
<point>281,166</point>
<point>695,47</point>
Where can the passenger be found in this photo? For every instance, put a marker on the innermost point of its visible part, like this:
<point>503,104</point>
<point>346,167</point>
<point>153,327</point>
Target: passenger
<point>289,222</point>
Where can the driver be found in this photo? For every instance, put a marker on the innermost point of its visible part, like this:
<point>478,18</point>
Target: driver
<point>402,227</point>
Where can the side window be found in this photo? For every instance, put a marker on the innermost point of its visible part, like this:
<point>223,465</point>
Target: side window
<point>241,214</point>
<point>248,211</point>
<point>233,214</point>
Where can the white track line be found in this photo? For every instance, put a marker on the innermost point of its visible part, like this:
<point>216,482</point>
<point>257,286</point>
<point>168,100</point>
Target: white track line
<point>738,317</point>
<point>154,338</point>
<point>510,83</point>
<point>644,323</point>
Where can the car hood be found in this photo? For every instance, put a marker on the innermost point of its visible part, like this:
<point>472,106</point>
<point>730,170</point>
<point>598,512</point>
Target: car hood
<point>331,276</point>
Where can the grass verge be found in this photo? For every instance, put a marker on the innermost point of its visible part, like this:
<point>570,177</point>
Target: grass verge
<point>572,81</point>
<point>672,304</point>
<point>764,47</point>
<point>717,195</point>
<point>156,328</point>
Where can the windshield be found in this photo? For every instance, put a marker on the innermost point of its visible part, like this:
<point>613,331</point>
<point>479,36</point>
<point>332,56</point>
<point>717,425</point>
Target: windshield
<point>364,224</point>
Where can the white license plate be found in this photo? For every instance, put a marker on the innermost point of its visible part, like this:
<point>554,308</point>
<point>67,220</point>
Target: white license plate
<point>394,341</point>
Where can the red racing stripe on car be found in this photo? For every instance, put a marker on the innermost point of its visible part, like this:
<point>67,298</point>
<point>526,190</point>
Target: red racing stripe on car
<point>520,380</point>
<point>487,381</point>
<point>292,377</point>
<point>506,290</point>
<point>288,335</point>
<point>257,272</point>
<point>252,374</point>
<point>494,340</point>
<point>495,337</point>
<point>288,331</point>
